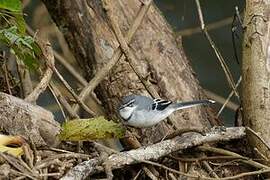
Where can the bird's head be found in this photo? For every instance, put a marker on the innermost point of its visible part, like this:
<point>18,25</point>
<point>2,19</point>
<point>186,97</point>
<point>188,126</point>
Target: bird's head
<point>127,107</point>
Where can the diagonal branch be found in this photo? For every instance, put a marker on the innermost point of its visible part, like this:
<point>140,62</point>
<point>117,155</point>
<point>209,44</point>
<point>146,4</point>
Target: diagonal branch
<point>103,72</point>
<point>72,92</point>
<point>217,52</point>
<point>126,50</point>
<point>229,97</point>
<point>44,82</point>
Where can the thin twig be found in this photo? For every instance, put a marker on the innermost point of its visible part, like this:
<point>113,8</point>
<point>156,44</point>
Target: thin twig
<point>261,171</point>
<point>229,153</point>
<point>63,101</point>
<point>126,50</point>
<point>43,163</point>
<point>229,97</point>
<point>217,52</point>
<point>70,68</point>
<point>22,174</point>
<point>261,154</point>
<point>15,163</point>
<point>50,174</point>
<point>172,176</point>
<point>103,72</point>
<point>44,82</point>
<point>209,169</point>
<point>238,176</point>
<point>259,137</point>
<point>211,26</point>
<point>57,101</point>
<point>137,175</point>
<point>72,92</point>
<point>63,151</point>
<point>206,158</point>
<point>149,173</point>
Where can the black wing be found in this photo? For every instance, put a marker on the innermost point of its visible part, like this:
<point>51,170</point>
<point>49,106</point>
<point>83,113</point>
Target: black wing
<point>160,104</point>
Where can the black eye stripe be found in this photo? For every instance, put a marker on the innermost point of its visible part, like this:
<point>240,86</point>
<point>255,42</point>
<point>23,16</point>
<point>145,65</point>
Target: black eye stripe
<point>128,103</point>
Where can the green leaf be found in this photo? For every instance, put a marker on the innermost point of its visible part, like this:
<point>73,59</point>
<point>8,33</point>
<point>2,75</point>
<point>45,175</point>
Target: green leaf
<point>20,22</point>
<point>12,10</point>
<point>91,129</point>
<point>24,47</point>
<point>12,5</point>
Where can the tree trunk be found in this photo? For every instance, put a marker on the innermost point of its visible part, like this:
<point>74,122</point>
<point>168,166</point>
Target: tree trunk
<point>159,58</point>
<point>256,72</point>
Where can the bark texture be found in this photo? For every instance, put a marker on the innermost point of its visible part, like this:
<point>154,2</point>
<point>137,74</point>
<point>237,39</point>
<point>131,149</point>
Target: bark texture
<point>159,58</point>
<point>30,121</point>
<point>256,71</point>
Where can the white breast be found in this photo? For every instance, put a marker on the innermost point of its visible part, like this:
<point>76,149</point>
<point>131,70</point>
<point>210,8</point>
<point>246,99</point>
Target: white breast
<point>126,112</point>
<point>143,119</point>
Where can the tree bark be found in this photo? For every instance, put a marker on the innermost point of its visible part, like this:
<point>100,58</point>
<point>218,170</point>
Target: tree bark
<point>34,123</point>
<point>159,58</point>
<point>256,72</point>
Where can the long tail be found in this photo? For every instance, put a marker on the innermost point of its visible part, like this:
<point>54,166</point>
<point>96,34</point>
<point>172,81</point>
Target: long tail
<point>184,105</point>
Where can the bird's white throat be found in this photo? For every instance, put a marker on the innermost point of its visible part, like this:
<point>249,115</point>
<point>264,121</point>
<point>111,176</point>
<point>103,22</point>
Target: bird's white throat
<point>126,112</point>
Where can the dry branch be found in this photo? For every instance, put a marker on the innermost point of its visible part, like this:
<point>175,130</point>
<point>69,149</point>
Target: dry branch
<point>72,92</point>
<point>17,117</point>
<point>156,151</point>
<point>63,101</point>
<point>44,82</point>
<point>223,64</point>
<point>126,50</point>
<point>229,97</point>
<point>69,67</point>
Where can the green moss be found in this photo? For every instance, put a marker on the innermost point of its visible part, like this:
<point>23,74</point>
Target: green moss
<point>91,129</point>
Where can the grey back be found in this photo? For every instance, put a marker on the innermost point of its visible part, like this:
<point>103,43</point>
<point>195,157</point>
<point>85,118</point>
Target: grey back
<point>143,102</point>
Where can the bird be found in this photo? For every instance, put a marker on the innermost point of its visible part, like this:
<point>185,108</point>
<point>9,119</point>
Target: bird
<point>142,111</point>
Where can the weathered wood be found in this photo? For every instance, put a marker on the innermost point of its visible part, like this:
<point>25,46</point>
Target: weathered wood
<point>159,57</point>
<point>18,117</point>
<point>256,72</point>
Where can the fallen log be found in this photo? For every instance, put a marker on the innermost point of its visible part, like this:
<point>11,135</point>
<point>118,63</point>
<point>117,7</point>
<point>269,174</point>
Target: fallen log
<point>154,151</point>
<point>34,123</point>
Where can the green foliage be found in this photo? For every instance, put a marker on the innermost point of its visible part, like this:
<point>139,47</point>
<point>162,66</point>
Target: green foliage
<point>24,47</point>
<point>12,5</point>
<point>90,129</point>
<point>11,11</point>
<point>12,33</point>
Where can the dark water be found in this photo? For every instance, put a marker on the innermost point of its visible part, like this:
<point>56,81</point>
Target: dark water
<point>182,14</point>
